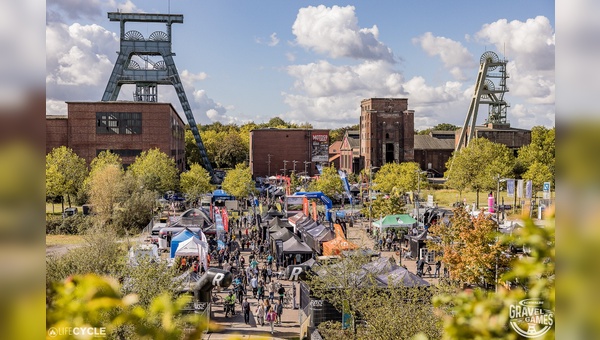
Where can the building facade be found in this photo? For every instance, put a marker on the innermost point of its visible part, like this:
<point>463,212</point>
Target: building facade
<point>124,128</point>
<point>386,131</point>
<point>513,138</point>
<point>433,151</point>
<point>350,152</point>
<point>283,151</point>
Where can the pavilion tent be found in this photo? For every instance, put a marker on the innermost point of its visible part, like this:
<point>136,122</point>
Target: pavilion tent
<point>194,247</point>
<point>395,221</point>
<point>282,234</point>
<point>314,237</point>
<point>296,246</point>
<point>401,276</point>
<point>296,218</point>
<point>180,237</point>
<point>338,244</point>
<point>274,229</point>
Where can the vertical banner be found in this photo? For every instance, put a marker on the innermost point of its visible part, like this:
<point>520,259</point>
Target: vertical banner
<point>510,188</point>
<point>520,189</point>
<point>346,184</point>
<point>305,206</point>
<point>279,250</point>
<point>315,215</point>
<point>528,189</point>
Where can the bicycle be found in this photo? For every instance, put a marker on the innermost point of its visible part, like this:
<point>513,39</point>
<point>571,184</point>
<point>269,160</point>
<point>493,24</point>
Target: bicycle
<point>216,299</point>
<point>287,300</point>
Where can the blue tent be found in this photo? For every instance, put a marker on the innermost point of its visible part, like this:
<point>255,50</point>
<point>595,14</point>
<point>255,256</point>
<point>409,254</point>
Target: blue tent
<point>182,236</point>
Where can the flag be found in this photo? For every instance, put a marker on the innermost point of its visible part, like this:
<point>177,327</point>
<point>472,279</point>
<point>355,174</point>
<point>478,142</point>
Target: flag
<point>520,188</point>
<point>510,188</point>
<point>528,189</point>
<point>346,184</point>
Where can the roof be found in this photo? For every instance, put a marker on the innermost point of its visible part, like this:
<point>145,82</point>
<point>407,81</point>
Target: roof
<point>353,137</point>
<point>334,148</point>
<point>425,142</point>
<point>333,158</point>
<point>396,220</point>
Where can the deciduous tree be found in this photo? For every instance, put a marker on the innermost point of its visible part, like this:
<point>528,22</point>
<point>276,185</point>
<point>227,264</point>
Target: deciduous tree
<point>106,189</point>
<point>542,150</point>
<point>477,166</point>
<point>195,181</point>
<point>394,178</point>
<point>328,183</point>
<point>65,173</point>
<point>238,182</point>
<point>538,173</point>
<point>155,171</point>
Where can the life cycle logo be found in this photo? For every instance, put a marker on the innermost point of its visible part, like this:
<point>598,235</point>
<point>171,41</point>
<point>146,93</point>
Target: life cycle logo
<point>530,319</point>
<point>95,332</point>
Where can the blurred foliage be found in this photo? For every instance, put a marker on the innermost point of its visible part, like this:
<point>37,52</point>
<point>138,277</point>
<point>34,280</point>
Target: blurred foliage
<point>480,314</point>
<point>94,301</point>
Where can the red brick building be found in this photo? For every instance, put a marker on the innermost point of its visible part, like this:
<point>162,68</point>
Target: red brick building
<point>125,128</point>
<point>386,131</point>
<point>350,152</point>
<point>278,151</point>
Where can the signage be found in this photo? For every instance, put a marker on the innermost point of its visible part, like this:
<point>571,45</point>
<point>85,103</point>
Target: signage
<point>520,188</point>
<point>528,189</point>
<point>546,190</point>
<point>510,188</point>
<point>320,147</point>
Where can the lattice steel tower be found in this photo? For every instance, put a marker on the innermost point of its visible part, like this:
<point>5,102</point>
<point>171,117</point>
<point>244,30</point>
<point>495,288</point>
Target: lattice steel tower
<point>146,77</point>
<point>486,92</point>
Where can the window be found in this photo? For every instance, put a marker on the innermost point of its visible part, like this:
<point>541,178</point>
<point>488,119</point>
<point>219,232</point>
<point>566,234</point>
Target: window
<point>122,123</point>
<point>122,152</point>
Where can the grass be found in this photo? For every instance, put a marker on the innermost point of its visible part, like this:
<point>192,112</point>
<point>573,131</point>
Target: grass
<point>59,240</point>
<point>447,197</point>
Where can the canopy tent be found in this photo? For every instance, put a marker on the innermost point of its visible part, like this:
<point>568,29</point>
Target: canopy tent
<point>295,246</point>
<point>395,221</point>
<point>194,247</point>
<point>401,276</point>
<point>296,218</point>
<point>277,221</point>
<point>282,234</point>
<point>274,229</point>
<point>314,237</point>
<point>221,194</point>
<point>180,237</point>
<point>338,244</point>
<point>309,263</point>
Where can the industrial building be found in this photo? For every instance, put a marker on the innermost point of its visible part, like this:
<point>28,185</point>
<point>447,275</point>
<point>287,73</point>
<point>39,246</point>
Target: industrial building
<point>283,151</point>
<point>124,128</point>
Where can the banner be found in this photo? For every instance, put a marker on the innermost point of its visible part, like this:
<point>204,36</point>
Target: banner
<point>279,249</point>
<point>528,189</point>
<point>346,184</point>
<point>520,188</point>
<point>319,168</point>
<point>320,147</point>
<point>546,190</point>
<point>510,188</point>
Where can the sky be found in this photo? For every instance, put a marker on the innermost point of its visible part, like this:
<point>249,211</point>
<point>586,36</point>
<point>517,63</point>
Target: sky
<point>307,61</point>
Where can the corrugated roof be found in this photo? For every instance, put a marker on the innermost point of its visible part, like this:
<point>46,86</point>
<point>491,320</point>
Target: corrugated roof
<point>334,148</point>
<point>425,142</point>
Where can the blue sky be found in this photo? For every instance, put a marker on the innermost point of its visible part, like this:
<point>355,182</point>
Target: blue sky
<point>307,61</point>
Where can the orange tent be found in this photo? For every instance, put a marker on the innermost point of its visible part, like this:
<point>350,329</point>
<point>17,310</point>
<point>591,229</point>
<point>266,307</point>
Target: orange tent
<point>338,244</point>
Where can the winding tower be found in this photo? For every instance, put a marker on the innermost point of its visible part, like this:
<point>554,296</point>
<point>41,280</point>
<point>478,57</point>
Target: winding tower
<point>135,65</point>
<point>489,89</point>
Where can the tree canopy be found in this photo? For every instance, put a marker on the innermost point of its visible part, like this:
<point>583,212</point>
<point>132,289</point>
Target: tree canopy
<point>541,150</point>
<point>477,166</point>
<point>65,173</point>
<point>238,182</point>
<point>398,178</point>
<point>195,181</point>
<point>329,183</point>
<point>155,171</point>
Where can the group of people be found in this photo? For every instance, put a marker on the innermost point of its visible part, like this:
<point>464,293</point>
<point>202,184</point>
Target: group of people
<point>265,311</point>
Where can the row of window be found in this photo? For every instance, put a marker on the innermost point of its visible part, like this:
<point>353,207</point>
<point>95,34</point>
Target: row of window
<point>122,152</point>
<point>121,123</point>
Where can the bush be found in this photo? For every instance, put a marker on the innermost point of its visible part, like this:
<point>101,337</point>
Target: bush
<point>53,223</point>
<point>75,225</point>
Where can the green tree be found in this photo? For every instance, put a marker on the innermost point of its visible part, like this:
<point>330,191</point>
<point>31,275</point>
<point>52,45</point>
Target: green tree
<point>471,248</point>
<point>155,171</point>
<point>477,166</point>
<point>192,153</point>
<point>397,178</point>
<point>277,122</point>
<point>135,209</point>
<point>195,181</point>
<point>542,150</point>
<point>338,134</point>
<point>439,127</point>
<point>538,173</point>
<point>65,173</point>
<point>238,182</point>
<point>329,183</point>
<point>231,150</point>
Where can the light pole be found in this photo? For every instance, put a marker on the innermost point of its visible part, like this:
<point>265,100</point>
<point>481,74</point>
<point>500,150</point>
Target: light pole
<point>294,161</point>
<point>417,203</point>
<point>285,167</point>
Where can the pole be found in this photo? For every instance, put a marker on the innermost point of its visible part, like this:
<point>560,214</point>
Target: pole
<point>294,161</point>
<point>497,201</point>
<point>269,162</point>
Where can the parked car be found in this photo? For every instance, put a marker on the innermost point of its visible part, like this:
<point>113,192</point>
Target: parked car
<point>70,212</point>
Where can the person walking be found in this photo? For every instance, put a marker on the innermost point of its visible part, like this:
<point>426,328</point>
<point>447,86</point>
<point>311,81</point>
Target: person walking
<point>246,310</point>
<point>260,290</point>
<point>272,289</point>
<point>438,265</point>
<point>260,314</point>
<point>254,285</point>
<point>281,292</point>
<point>271,317</point>
<point>279,310</point>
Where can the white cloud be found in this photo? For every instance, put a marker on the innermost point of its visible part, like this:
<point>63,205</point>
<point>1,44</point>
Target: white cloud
<point>274,40</point>
<point>85,9</point>
<point>188,78</point>
<point>334,31</point>
<point>271,41</point>
<point>452,53</point>
<point>56,107</point>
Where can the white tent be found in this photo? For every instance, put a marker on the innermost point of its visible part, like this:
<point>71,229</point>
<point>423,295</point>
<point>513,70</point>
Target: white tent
<point>193,247</point>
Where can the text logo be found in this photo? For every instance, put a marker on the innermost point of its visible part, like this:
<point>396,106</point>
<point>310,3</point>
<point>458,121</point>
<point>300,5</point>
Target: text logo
<point>529,319</point>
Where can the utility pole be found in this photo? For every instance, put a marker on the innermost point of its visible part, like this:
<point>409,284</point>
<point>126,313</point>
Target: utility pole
<point>294,161</point>
<point>269,162</point>
<point>306,163</point>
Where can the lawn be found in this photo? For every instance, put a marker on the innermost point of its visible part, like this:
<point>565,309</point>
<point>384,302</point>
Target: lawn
<point>447,197</point>
<point>59,240</point>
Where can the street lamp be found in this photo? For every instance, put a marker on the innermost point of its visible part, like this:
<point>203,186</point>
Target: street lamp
<point>417,203</point>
